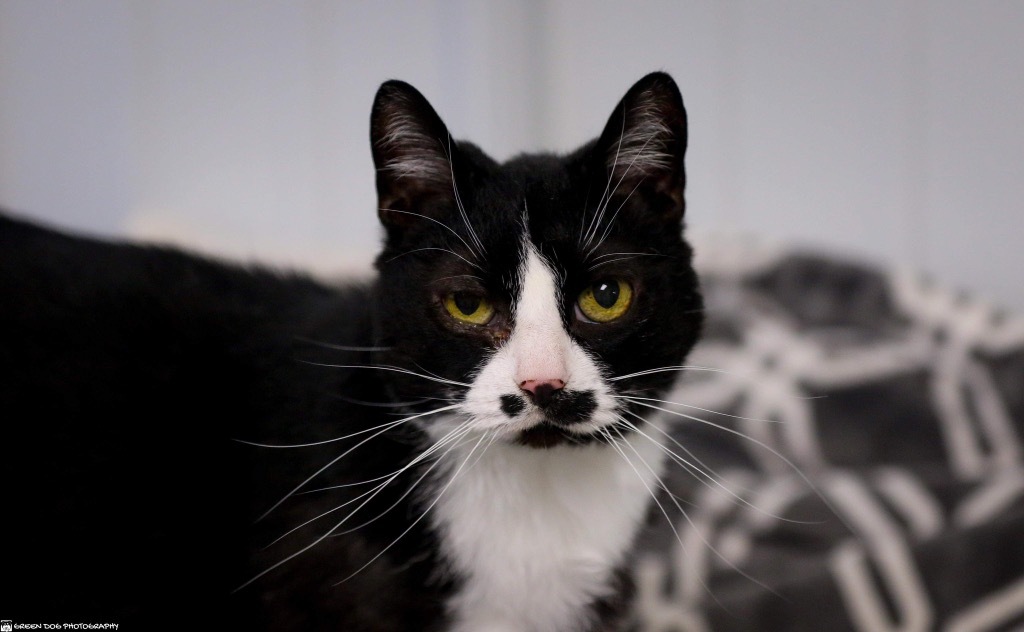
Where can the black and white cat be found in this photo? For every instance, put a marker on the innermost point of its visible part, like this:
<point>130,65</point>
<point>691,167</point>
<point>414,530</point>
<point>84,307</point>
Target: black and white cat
<point>445,448</point>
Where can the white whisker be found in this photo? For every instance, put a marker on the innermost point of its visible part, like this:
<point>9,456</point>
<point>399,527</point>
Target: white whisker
<point>328,345</point>
<point>686,516</point>
<point>384,429</point>
<point>385,367</point>
<point>449,251</point>
<point>456,276</point>
<point>318,541</point>
<point>600,215</point>
<point>704,470</point>
<point>626,258</point>
<point>704,410</point>
<point>608,184</point>
<point>462,209</point>
<point>666,369</point>
<point>386,426</point>
<point>456,439</point>
<point>687,465</point>
<point>764,445</point>
<point>457,443</point>
<point>637,254</point>
<point>422,515</point>
<point>611,222</point>
<point>606,432</point>
<point>360,402</point>
<point>441,224</point>
<point>379,488</point>
<point>583,217</point>
<point>419,458</point>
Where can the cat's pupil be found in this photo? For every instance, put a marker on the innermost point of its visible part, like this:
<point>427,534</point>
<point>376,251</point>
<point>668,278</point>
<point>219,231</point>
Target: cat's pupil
<point>606,293</point>
<point>467,303</point>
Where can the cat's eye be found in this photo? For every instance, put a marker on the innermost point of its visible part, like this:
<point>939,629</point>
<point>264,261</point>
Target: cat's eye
<point>469,308</point>
<point>605,300</point>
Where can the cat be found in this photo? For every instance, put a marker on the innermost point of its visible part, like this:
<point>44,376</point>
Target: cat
<point>446,447</point>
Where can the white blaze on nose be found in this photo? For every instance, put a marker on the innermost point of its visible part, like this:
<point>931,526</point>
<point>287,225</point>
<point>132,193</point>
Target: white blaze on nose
<point>539,342</point>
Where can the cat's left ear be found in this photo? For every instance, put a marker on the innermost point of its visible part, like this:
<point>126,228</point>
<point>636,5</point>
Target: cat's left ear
<point>412,153</point>
<point>643,145</point>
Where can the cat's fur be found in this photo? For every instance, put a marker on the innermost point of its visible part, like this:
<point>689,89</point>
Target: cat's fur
<point>148,395</point>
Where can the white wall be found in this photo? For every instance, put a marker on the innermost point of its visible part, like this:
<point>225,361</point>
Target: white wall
<point>888,130</point>
<point>236,127</point>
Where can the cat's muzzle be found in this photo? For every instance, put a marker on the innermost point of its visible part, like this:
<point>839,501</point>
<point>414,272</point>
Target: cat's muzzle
<point>558,410</point>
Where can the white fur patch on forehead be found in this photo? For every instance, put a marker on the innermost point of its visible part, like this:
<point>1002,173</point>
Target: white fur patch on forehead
<point>643,146</point>
<point>537,302</point>
<point>538,323</point>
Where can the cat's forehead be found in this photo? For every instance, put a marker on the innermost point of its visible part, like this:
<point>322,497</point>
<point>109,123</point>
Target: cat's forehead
<point>561,207</point>
<point>536,198</point>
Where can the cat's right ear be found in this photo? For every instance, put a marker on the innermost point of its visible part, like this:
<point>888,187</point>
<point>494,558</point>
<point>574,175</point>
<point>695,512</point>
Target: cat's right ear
<point>643,146</point>
<point>412,155</point>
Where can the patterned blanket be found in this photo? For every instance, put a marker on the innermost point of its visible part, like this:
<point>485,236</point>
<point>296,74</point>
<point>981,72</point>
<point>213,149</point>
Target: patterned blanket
<point>847,456</point>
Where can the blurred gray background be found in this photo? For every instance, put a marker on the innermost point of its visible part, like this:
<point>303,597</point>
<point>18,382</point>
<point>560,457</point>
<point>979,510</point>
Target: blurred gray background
<point>892,131</point>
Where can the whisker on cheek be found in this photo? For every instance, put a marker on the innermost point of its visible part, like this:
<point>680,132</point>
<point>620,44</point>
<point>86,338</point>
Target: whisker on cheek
<point>367,498</point>
<point>422,515</point>
<point>694,528</point>
<point>383,428</point>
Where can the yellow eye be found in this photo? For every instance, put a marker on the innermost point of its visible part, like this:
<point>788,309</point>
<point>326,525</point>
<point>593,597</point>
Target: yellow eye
<point>605,301</point>
<point>469,308</point>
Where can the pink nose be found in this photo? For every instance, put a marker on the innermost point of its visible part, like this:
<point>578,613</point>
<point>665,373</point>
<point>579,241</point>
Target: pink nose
<point>541,391</point>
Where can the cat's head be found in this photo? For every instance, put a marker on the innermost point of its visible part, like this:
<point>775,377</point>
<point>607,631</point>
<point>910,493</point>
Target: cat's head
<point>533,294</point>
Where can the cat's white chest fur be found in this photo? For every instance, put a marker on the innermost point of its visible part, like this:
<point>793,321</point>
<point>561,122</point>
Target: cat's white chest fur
<point>537,533</point>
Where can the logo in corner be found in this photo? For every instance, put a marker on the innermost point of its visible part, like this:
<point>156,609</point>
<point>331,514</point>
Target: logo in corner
<point>6,625</point>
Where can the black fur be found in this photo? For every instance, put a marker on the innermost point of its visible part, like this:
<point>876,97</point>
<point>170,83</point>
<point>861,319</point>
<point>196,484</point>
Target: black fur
<point>128,372</point>
<point>512,405</point>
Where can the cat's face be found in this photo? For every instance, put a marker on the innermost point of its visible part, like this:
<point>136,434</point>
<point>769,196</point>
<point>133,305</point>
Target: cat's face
<point>533,291</point>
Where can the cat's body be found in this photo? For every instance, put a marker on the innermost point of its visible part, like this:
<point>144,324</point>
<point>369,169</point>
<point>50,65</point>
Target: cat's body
<point>461,456</point>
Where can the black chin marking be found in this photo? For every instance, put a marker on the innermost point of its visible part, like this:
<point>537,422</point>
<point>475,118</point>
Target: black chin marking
<point>546,435</point>
<point>549,435</point>
<point>512,405</point>
<point>571,407</point>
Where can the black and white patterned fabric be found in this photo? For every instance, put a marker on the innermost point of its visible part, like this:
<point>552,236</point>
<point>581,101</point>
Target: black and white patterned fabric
<point>862,469</point>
